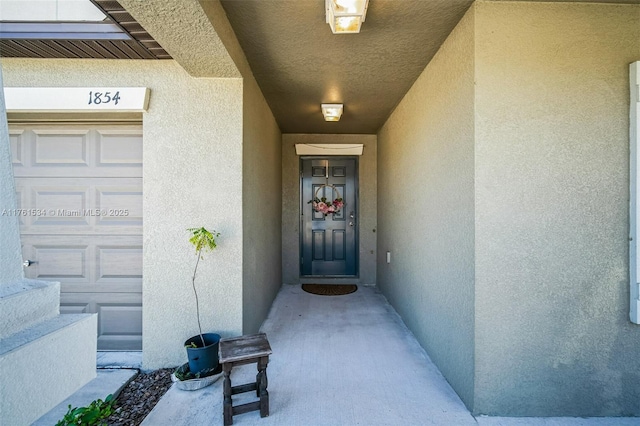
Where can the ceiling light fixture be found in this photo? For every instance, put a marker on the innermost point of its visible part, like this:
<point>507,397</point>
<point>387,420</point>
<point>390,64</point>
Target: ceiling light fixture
<point>346,16</point>
<point>332,112</point>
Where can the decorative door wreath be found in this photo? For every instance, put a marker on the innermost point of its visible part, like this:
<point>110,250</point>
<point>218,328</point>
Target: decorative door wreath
<point>327,207</point>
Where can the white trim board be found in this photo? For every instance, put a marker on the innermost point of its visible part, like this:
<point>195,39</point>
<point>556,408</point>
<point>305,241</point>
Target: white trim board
<point>634,186</point>
<point>329,149</point>
<point>76,99</point>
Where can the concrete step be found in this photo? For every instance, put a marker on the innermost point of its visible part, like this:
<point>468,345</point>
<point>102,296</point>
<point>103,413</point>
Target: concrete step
<point>110,381</point>
<point>26,303</point>
<point>44,364</point>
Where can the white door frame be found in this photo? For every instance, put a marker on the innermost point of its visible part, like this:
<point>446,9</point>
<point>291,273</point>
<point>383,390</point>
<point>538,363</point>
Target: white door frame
<point>634,208</point>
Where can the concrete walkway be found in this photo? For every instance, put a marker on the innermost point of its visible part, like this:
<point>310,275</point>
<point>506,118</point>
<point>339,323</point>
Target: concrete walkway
<point>342,360</point>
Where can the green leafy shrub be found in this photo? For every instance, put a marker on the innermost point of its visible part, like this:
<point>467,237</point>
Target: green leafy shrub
<point>90,415</point>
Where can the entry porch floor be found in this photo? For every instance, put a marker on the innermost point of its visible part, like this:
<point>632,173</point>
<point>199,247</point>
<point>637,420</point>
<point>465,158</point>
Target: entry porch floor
<point>341,360</point>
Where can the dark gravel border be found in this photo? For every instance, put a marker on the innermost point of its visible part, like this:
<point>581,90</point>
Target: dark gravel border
<point>139,397</point>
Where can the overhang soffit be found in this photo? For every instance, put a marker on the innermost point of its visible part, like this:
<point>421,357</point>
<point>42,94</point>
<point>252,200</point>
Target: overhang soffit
<point>183,29</point>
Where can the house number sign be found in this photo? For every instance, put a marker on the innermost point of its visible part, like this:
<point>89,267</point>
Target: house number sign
<point>76,99</point>
<point>97,98</point>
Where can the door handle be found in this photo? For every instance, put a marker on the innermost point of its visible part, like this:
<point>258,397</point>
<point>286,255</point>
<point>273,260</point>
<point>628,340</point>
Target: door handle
<point>350,223</point>
<point>28,263</point>
<point>351,215</point>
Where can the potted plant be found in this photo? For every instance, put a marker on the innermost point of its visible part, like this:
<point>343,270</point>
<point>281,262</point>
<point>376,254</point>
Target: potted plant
<point>202,350</point>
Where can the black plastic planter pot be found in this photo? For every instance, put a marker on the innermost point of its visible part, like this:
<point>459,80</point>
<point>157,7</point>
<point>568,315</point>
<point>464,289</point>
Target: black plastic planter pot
<point>203,358</point>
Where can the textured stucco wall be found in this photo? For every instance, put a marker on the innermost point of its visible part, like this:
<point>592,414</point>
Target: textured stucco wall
<point>368,187</point>
<point>10,251</point>
<point>552,295</point>
<point>426,211</point>
<point>192,176</point>
<point>262,207</point>
<point>261,180</point>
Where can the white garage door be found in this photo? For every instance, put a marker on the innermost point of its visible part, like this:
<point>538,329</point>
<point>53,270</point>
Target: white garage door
<point>80,198</point>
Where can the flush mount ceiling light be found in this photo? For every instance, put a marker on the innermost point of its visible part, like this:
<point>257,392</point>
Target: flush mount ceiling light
<point>346,16</point>
<point>332,112</point>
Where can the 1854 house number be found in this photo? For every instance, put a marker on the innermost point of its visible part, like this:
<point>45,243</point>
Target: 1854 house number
<point>97,98</point>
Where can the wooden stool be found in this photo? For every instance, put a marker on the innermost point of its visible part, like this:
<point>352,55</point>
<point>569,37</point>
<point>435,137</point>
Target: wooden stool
<point>241,350</point>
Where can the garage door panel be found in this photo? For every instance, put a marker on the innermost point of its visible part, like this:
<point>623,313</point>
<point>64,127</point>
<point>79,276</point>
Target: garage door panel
<point>56,262</point>
<point>119,319</point>
<point>93,301</point>
<point>21,193</point>
<point>81,189</point>
<point>119,263</point>
<point>98,205</point>
<point>82,150</point>
<point>61,148</point>
<point>119,322</point>
<point>119,148</point>
<point>62,205</point>
<point>17,148</point>
<point>86,262</point>
<point>122,205</point>
<point>62,262</point>
<point>59,205</point>
<point>124,289</point>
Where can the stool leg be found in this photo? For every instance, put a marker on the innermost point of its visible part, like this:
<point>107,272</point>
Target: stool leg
<point>258,379</point>
<point>227,406</point>
<point>262,386</point>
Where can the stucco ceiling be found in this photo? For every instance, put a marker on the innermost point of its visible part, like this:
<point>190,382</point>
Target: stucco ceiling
<point>300,64</point>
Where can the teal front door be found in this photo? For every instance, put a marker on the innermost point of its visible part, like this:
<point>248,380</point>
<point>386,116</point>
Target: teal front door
<point>328,243</point>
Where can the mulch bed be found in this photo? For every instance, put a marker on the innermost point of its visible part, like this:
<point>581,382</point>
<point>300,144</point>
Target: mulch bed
<point>139,397</point>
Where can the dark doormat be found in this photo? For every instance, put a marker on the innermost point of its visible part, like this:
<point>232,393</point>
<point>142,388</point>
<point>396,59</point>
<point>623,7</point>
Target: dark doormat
<point>329,289</point>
